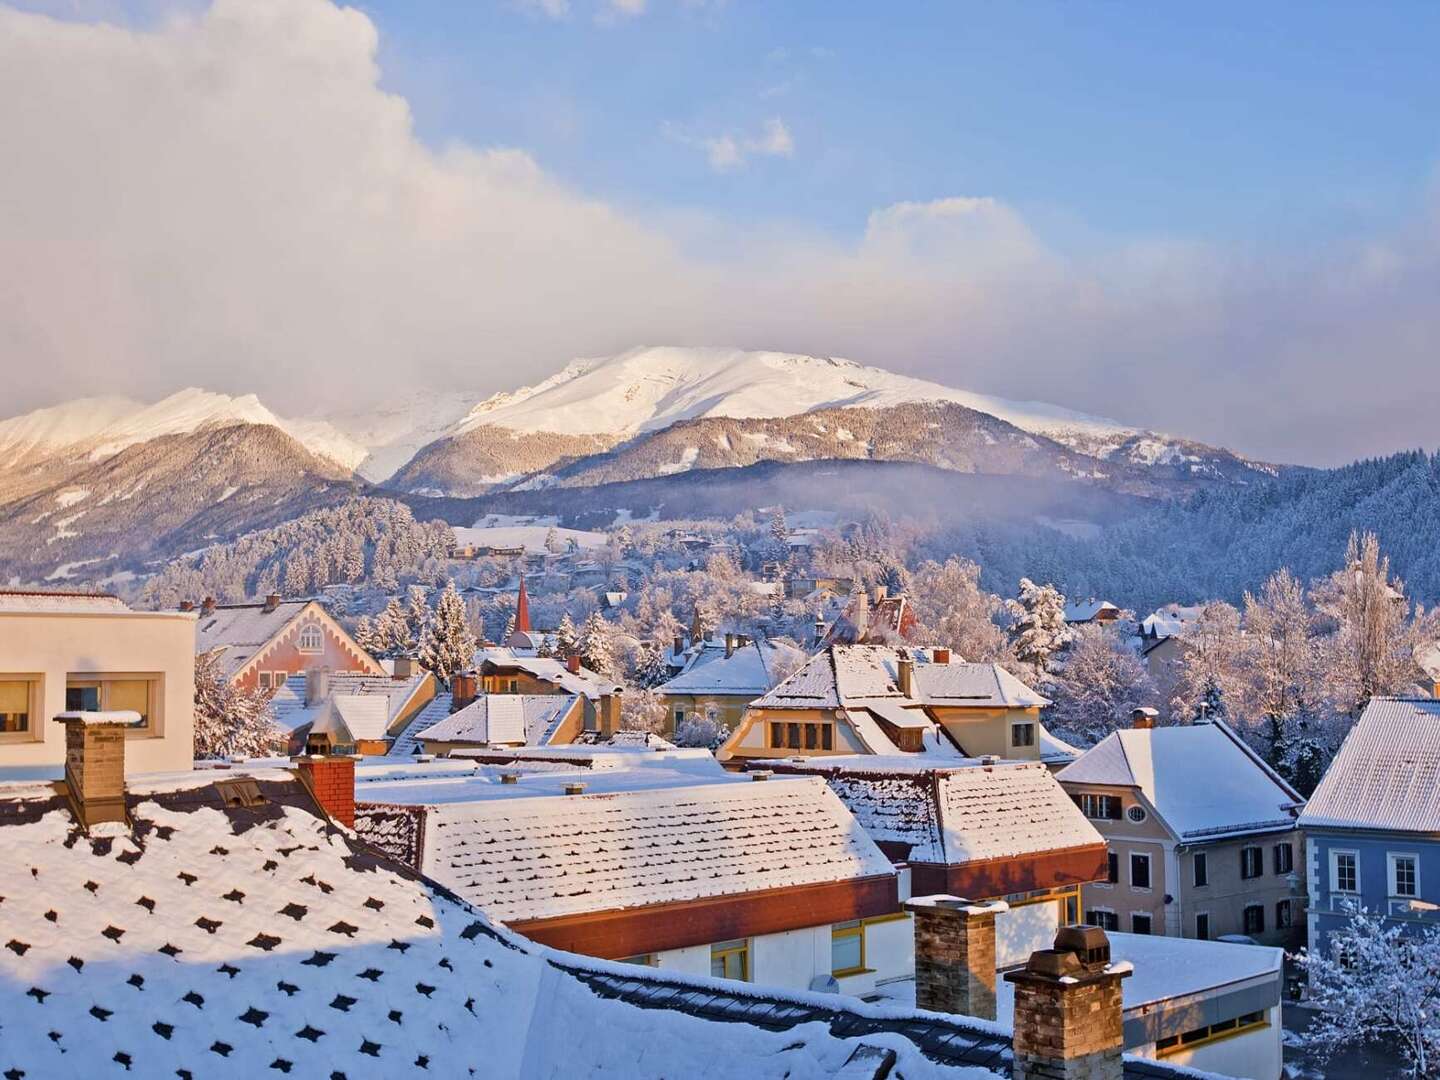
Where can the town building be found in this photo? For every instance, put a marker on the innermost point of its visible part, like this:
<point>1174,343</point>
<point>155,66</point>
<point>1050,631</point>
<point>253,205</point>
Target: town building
<point>265,645</point>
<point>722,678</point>
<point>1085,612</point>
<point>360,713</point>
<point>506,720</point>
<point>1372,827</point>
<point>873,617</point>
<point>69,651</point>
<point>1004,831</point>
<point>873,699</point>
<point>1202,833</point>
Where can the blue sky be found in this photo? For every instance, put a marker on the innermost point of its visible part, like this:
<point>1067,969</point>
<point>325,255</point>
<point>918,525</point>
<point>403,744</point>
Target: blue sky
<point>1215,220</point>
<point>1216,120</point>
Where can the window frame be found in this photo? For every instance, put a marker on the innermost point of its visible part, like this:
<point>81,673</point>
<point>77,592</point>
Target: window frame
<point>852,928</point>
<point>1200,870</point>
<point>1136,916</point>
<point>1289,860</point>
<point>1028,729</point>
<point>722,950</point>
<point>1335,856</point>
<point>1090,800</point>
<point>1224,1029</point>
<point>1206,935</point>
<point>1245,927</point>
<point>1093,913</point>
<point>33,730</point>
<point>1284,915</point>
<point>153,725</point>
<point>1252,854</point>
<point>1112,869</point>
<point>1149,871</point>
<point>302,634</point>
<point>1392,882</point>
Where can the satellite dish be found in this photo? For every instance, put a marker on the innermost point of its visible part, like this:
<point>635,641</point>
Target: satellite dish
<point>825,984</point>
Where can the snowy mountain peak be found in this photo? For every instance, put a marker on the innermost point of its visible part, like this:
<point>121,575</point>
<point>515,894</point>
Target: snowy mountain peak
<point>59,426</point>
<point>651,387</point>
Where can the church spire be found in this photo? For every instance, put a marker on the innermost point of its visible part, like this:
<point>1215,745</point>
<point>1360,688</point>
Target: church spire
<point>522,609</point>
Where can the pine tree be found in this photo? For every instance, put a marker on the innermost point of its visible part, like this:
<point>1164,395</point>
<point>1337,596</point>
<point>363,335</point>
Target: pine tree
<point>449,644</point>
<point>417,614</point>
<point>1039,630</point>
<point>229,721</point>
<point>566,637</point>
<point>597,644</point>
<point>651,670</point>
<point>509,628</point>
<point>392,632</point>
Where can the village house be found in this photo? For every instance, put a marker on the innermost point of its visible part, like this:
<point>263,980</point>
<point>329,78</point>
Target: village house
<point>873,617</point>
<point>360,713</point>
<point>231,925</point>
<point>1006,831</point>
<point>265,645</point>
<point>722,678</point>
<point>686,868</point>
<point>871,699</point>
<point>485,721</point>
<point>69,651</point>
<point>1202,833</point>
<point>1372,828</point>
<point>1085,612</point>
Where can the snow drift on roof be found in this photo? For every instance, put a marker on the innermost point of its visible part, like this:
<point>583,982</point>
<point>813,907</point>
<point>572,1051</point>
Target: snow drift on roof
<point>1387,774</point>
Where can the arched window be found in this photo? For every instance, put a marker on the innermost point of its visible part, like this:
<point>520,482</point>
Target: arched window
<point>311,640</point>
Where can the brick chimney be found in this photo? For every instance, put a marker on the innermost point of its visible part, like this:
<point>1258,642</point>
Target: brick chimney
<point>332,781</point>
<point>404,667</point>
<point>940,656</point>
<point>207,605</point>
<point>462,690</point>
<point>1143,719</point>
<point>272,601</point>
<point>95,763</point>
<point>187,605</point>
<point>955,954</point>
<point>607,714</point>
<point>905,676</point>
<point>572,664</point>
<point>1069,1023</point>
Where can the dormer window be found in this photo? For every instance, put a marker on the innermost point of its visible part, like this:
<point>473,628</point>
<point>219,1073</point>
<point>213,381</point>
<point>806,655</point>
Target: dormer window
<point>310,639</point>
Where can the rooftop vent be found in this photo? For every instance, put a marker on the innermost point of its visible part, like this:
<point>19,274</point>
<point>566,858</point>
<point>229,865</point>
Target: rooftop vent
<point>509,778</point>
<point>575,787</point>
<point>761,774</point>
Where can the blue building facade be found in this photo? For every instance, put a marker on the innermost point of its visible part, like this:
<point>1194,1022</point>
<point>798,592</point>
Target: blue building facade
<point>1395,874</point>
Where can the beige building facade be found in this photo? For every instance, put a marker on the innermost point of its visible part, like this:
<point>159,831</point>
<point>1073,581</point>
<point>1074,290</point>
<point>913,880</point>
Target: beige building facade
<point>68,652</point>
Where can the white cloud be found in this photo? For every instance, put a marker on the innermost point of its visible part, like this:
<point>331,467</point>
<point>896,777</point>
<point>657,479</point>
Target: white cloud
<point>732,151</point>
<point>231,200</point>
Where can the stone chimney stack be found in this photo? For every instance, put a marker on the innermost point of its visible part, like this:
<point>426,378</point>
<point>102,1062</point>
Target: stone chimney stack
<point>331,779</point>
<point>272,601</point>
<point>95,763</point>
<point>317,685</point>
<point>207,606</point>
<point>187,605</point>
<point>729,646</point>
<point>607,714</point>
<point>905,676</point>
<point>1143,719</point>
<point>403,669</point>
<point>955,954</point>
<point>819,630</point>
<point>462,690</point>
<point>572,664</point>
<point>1069,1023</point>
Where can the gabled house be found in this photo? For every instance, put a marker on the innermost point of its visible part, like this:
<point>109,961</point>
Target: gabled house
<point>873,699</point>
<point>1084,612</point>
<point>265,645</point>
<point>1006,831</point>
<point>1202,833</point>
<point>505,720</point>
<point>873,618</point>
<point>358,713</point>
<point>724,677</point>
<point>503,671</point>
<point>1372,827</point>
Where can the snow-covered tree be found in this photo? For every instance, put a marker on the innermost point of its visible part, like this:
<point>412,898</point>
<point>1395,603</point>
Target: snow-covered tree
<point>567,638</point>
<point>1212,664</point>
<point>707,731</point>
<point>417,613</point>
<point>1039,630</point>
<point>597,644</point>
<point>1101,684</point>
<point>1379,984</point>
<point>651,668</point>
<point>955,612</point>
<point>553,543</point>
<point>643,710</point>
<point>390,632</point>
<point>230,721</point>
<point>449,644</point>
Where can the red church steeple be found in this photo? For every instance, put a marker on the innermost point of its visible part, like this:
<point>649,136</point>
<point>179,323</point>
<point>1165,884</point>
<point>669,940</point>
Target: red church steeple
<point>522,609</point>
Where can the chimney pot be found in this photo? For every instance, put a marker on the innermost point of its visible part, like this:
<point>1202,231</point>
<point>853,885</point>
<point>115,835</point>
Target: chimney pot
<point>678,645</point>
<point>941,656</point>
<point>575,787</point>
<point>761,774</point>
<point>1143,719</point>
<point>905,676</point>
<point>404,667</point>
<point>572,664</point>
<point>187,605</point>
<point>272,601</point>
<point>509,778</point>
<point>729,646</point>
<point>95,763</point>
<point>207,605</point>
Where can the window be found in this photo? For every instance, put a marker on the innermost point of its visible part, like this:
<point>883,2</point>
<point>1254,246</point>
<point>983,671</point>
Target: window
<point>1254,919</point>
<point>1284,858</point>
<point>1139,871</point>
<point>812,737</point>
<point>110,693</point>
<point>1100,807</point>
<point>1283,917</point>
<point>1404,875</point>
<point>847,948</point>
<point>1114,876</point>
<point>642,960</point>
<point>827,737</point>
<point>1252,862</point>
<point>310,640</point>
<point>1344,871</point>
<point>1136,814</point>
<point>680,719</point>
<point>808,736</point>
<point>17,705</point>
<point>777,731</point>
<point>1140,923</point>
<point>1222,1029</point>
<point>1022,734</point>
<point>1106,920</point>
<point>792,736</point>
<point>731,959</point>
<point>273,680</point>
<point>1202,926</point>
<point>1072,910</point>
<point>1202,869</point>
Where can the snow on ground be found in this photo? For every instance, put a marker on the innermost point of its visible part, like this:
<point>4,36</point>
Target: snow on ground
<point>63,425</point>
<point>530,537</point>
<point>645,389</point>
<point>67,499</point>
<point>66,570</point>
<point>62,528</point>
<point>685,464</point>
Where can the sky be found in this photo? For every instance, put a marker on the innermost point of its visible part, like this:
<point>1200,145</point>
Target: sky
<point>1220,221</point>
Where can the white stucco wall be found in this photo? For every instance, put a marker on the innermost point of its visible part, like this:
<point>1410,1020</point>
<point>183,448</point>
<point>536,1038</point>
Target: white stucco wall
<point>51,647</point>
<point>1255,1055</point>
<point>1022,930</point>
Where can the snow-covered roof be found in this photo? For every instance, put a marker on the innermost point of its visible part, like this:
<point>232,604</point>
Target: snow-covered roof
<point>225,941</point>
<point>1169,620</point>
<point>1387,773</point>
<point>48,602</point>
<point>956,814</point>
<point>291,710</point>
<point>1083,611</point>
<point>518,719</point>
<point>541,858</point>
<point>591,684</point>
<point>855,675</point>
<point>242,629</point>
<point>1202,779</point>
<point>407,741</point>
<point>746,673</point>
